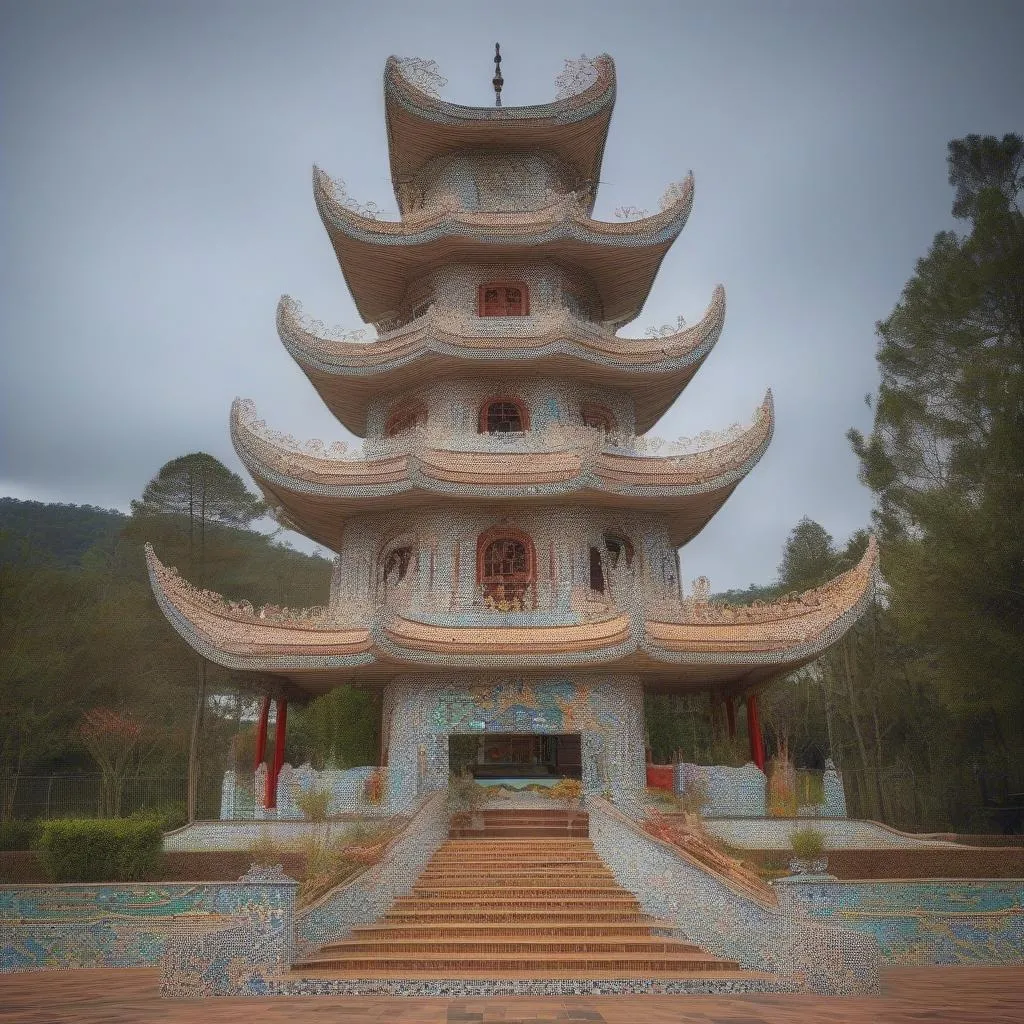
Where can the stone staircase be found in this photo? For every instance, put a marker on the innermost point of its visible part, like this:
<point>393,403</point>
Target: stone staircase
<point>522,895</point>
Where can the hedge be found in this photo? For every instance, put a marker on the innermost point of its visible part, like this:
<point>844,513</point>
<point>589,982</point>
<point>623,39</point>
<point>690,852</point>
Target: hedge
<point>18,834</point>
<point>101,849</point>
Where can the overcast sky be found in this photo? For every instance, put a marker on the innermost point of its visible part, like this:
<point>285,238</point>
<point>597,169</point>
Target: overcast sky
<point>156,201</point>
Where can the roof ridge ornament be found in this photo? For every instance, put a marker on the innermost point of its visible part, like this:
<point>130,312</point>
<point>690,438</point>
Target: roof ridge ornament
<point>497,81</point>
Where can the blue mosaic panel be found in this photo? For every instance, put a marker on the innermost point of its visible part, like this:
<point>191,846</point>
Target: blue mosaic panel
<point>922,922</point>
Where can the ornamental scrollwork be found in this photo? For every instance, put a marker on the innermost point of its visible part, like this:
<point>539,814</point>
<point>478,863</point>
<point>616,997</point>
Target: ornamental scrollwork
<point>370,210</point>
<point>675,193</point>
<point>577,76</point>
<point>423,74</point>
<point>292,308</point>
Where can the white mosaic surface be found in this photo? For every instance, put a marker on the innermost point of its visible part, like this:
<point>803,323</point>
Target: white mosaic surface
<point>774,833</point>
<point>204,836</point>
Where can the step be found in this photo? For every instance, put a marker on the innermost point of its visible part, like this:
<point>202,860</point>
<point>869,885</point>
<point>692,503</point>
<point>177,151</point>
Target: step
<point>535,879</point>
<point>447,931</point>
<point>497,905</point>
<point>640,964</point>
<point>517,832</point>
<point>717,978</point>
<point>497,945</point>
<point>514,914</point>
<point>514,889</point>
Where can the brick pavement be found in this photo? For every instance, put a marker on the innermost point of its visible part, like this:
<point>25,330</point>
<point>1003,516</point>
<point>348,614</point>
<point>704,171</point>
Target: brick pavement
<point>941,995</point>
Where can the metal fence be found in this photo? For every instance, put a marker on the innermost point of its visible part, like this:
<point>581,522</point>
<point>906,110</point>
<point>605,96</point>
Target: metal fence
<point>81,795</point>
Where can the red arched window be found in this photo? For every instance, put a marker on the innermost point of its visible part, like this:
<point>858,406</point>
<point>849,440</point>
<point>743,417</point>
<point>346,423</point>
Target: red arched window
<point>404,418</point>
<point>598,416</point>
<point>504,298</point>
<point>506,568</point>
<point>503,416</point>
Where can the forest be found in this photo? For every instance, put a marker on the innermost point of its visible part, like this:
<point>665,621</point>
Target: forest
<point>921,705</point>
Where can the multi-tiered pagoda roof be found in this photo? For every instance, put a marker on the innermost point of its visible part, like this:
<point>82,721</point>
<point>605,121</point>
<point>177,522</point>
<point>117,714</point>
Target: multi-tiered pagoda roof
<point>424,623</point>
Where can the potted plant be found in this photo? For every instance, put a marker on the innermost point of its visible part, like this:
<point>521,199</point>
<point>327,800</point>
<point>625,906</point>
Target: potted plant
<point>808,845</point>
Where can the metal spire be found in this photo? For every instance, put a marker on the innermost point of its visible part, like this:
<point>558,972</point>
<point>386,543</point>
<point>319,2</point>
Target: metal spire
<point>497,81</point>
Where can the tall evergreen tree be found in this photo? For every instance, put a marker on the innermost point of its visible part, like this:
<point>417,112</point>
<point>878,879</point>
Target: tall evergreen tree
<point>203,490</point>
<point>945,457</point>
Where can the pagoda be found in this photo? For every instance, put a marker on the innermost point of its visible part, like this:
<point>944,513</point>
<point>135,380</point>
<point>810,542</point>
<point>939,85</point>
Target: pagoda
<point>507,537</point>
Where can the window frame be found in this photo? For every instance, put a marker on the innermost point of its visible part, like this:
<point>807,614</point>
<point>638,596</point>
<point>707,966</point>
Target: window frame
<point>516,586</point>
<point>521,285</point>
<point>524,415</point>
<point>417,410</point>
<point>599,410</point>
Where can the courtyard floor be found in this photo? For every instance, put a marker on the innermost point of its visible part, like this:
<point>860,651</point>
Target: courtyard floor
<point>957,995</point>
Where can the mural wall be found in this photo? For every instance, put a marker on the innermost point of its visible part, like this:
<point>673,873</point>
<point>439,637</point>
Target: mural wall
<point>606,711</point>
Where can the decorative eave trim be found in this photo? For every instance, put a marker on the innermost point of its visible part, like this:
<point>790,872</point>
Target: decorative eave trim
<point>844,600</point>
<point>440,118</point>
<point>378,257</point>
<point>390,639</point>
<point>558,472</point>
<point>561,333</point>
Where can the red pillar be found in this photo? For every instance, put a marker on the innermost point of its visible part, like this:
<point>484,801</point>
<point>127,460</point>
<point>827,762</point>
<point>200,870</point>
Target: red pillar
<point>730,716</point>
<point>754,731</point>
<point>279,740</point>
<point>261,733</point>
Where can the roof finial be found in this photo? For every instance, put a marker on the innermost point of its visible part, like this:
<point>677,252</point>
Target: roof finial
<point>497,81</point>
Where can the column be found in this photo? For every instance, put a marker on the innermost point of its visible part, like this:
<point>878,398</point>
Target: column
<point>730,716</point>
<point>280,726</point>
<point>261,733</point>
<point>754,731</point>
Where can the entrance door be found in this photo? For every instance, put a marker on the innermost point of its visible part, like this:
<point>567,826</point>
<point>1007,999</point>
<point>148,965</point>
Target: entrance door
<point>516,758</point>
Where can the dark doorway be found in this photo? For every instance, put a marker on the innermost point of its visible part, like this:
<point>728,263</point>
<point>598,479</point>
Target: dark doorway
<point>517,756</point>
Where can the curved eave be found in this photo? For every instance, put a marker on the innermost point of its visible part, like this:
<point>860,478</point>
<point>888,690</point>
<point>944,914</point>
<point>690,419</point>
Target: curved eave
<point>418,643</point>
<point>421,127</point>
<point>348,375</point>
<point>729,658</point>
<point>770,647</point>
<point>319,493</point>
<point>207,627</point>
<point>379,258</point>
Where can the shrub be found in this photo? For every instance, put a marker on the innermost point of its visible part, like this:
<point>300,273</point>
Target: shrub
<point>313,804</point>
<point>567,790</point>
<point>807,843</point>
<point>18,834</point>
<point>101,849</point>
<point>267,851</point>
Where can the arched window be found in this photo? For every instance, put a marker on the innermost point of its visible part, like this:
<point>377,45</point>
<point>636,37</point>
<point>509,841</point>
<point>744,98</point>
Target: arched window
<point>598,416</point>
<point>506,568</point>
<point>404,418</point>
<point>395,565</point>
<point>503,416</point>
<point>504,298</point>
<point>620,551</point>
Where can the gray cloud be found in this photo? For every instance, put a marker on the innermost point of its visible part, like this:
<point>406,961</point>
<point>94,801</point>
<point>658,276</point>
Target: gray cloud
<point>155,172</point>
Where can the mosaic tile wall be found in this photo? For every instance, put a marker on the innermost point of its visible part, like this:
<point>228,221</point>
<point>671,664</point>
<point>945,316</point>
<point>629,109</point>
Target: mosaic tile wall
<point>48,927</point>
<point>607,712</point>
<point>732,792</point>
<point>830,959</point>
<point>346,786</point>
<point>210,957</point>
<point>921,922</point>
<point>370,895</point>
